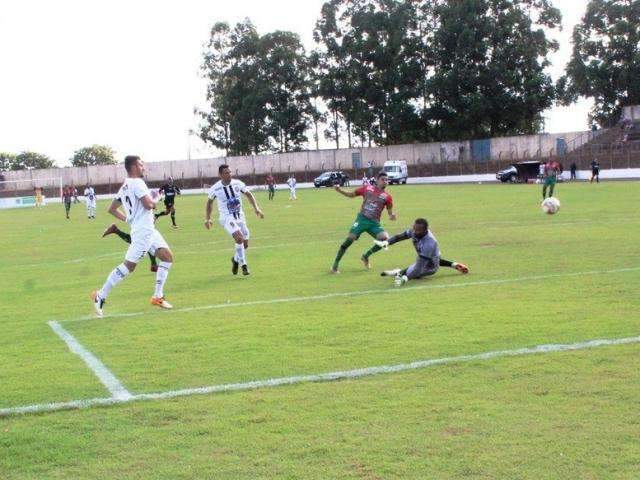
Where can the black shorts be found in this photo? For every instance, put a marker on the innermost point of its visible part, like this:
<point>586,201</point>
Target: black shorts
<point>168,203</point>
<point>595,171</point>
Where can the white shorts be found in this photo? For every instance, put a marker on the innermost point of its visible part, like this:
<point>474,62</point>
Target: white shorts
<point>142,242</point>
<point>91,204</point>
<point>232,225</point>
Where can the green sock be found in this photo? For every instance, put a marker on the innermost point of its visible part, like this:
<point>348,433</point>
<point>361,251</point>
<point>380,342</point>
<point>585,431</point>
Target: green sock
<point>371,251</point>
<point>152,258</point>
<point>341,251</point>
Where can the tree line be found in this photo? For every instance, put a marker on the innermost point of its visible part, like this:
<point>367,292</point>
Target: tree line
<point>93,155</point>
<point>400,71</point>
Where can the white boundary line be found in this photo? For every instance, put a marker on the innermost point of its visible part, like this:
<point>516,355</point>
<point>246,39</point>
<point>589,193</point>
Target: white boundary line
<point>322,377</point>
<point>108,379</point>
<point>358,293</point>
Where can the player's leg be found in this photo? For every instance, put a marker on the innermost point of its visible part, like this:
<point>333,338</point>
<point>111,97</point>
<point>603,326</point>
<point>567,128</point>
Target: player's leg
<point>552,187</point>
<point>245,242</point>
<point>138,248</point>
<point>378,233</point>
<point>240,255</point>
<point>544,190</point>
<point>67,208</point>
<point>161,250</point>
<point>166,211</point>
<point>173,216</point>
<point>354,233</point>
<point>413,272</point>
<point>461,267</point>
<point>233,227</point>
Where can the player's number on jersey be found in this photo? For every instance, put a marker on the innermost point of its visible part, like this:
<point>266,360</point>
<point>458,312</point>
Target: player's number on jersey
<point>128,200</point>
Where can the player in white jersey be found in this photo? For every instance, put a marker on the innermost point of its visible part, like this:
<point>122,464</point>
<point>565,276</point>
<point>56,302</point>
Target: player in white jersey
<point>138,204</point>
<point>292,187</point>
<point>227,194</point>
<point>90,199</point>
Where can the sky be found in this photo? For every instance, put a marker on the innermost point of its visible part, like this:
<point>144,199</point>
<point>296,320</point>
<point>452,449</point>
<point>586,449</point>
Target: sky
<point>126,73</point>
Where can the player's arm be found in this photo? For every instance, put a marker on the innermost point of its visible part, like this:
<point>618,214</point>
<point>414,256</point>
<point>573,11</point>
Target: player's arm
<point>114,209</point>
<point>207,213</point>
<point>392,216</point>
<point>148,202</point>
<point>254,203</point>
<point>400,237</point>
<point>338,189</point>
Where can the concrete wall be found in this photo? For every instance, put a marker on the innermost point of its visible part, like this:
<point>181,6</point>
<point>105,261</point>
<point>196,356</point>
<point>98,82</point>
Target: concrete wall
<point>256,167</point>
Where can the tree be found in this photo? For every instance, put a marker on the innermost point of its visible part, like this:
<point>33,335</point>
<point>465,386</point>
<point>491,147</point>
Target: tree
<point>489,75</point>
<point>32,161</point>
<point>236,118</point>
<point>605,65</point>
<point>258,90</point>
<point>6,161</point>
<point>93,155</point>
<point>286,72</point>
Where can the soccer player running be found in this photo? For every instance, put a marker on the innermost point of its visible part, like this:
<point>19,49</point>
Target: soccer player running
<point>374,201</point>
<point>227,192</point>
<point>138,205</point>
<point>67,195</point>
<point>170,191</point>
<point>90,199</point>
<point>550,176</point>
<point>428,261</point>
<point>271,185</point>
<point>292,187</point>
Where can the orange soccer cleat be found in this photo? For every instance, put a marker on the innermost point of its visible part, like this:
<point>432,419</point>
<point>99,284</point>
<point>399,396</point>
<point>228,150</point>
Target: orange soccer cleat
<point>161,302</point>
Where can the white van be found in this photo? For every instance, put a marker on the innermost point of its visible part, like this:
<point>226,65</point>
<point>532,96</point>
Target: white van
<point>397,171</point>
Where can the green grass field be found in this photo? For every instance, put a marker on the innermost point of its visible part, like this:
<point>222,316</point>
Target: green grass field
<point>534,280</point>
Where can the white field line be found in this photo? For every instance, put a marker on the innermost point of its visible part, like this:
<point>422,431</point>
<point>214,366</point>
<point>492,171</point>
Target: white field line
<point>108,379</point>
<point>322,377</point>
<point>359,293</point>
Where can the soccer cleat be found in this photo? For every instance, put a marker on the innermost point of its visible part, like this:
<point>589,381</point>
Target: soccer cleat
<point>234,266</point>
<point>109,230</point>
<point>365,261</point>
<point>384,244</point>
<point>245,270</point>
<point>98,303</point>
<point>400,280</point>
<point>390,273</point>
<point>461,267</point>
<point>174,226</point>
<point>334,270</point>
<point>161,302</point>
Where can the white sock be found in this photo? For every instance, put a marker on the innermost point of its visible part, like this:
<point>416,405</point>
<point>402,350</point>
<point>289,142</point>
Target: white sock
<point>240,257</point>
<point>161,278</point>
<point>114,278</point>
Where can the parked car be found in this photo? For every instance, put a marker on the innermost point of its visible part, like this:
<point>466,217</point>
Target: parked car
<point>330,179</point>
<point>397,171</point>
<point>521,172</point>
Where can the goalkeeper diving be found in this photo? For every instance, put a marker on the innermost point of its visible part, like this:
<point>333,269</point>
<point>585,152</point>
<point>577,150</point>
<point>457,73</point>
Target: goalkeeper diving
<point>428,261</point>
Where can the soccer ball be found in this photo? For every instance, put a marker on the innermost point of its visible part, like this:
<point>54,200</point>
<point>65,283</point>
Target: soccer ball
<point>550,205</point>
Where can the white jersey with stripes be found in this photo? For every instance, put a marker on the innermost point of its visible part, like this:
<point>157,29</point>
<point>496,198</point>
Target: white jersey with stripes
<point>229,198</point>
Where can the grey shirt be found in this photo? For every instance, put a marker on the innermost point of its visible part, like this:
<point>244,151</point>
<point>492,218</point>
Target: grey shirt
<point>428,260</point>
